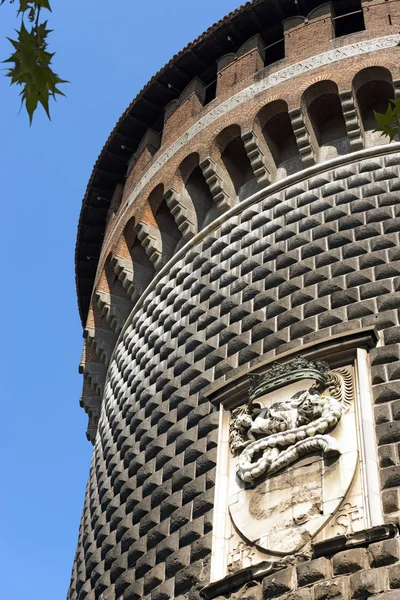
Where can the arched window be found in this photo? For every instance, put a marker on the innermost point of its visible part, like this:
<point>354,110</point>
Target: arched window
<point>236,161</point>
<point>373,89</point>
<point>277,131</point>
<point>165,223</point>
<point>195,187</point>
<point>323,109</point>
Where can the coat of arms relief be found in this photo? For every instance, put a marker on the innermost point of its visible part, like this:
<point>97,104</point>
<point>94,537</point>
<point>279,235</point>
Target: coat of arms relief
<point>268,439</point>
<point>294,474</point>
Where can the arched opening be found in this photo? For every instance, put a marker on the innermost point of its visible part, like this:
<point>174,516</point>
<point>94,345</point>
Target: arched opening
<point>373,89</point>
<point>108,279</point>
<point>165,223</point>
<point>277,131</point>
<point>143,269</point>
<point>99,333</point>
<point>236,161</point>
<point>111,297</point>
<point>201,201</point>
<point>323,109</point>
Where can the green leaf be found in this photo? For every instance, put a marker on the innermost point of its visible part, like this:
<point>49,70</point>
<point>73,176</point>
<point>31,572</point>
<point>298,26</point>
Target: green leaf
<point>30,64</point>
<point>44,4</point>
<point>31,101</point>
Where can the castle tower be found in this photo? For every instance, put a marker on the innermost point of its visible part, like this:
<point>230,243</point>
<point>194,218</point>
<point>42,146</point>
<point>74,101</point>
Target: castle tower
<point>238,275</point>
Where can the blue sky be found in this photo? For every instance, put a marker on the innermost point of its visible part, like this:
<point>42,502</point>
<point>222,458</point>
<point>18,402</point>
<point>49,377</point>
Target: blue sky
<point>108,50</point>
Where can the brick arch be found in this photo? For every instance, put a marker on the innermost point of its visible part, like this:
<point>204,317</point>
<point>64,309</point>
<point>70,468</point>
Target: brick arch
<point>100,336</point>
<point>197,198</point>
<point>229,149</point>
<point>276,129</point>
<point>110,300</point>
<point>372,89</point>
<point>131,263</point>
<point>157,230</point>
<point>323,111</point>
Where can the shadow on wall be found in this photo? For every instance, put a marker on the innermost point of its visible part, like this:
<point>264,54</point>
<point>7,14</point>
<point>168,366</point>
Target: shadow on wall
<point>236,162</point>
<point>323,113</point>
<point>197,192</point>
<point>277,132</point>
<point>170,236</point>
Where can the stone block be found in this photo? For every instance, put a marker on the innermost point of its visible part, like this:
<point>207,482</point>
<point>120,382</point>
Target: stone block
<point>278,583</point>
<point>349,561</point>
<point>180,517</point>
<point>395,405</point>
<point>382,411</point>
<point>385,354</point>
<point>124,581</point>
<point>192,531</point>
<point>388,433</point>
<point>193,488</point>
<point>384,553</point>
<point>394,577</point>
<point>165,591</point>
<point>189,577</point>
<point>390,477</point>
<point>388,455</point>
<point>366,583</point>
<point>393,595</point>
<point>167,547</point>
<point>204,503</point>
<point>177,561</point>
<point>332,589</point>
<point>202,547</point>
<point>390,501</point>
<point>385,392</point>
<point>304,594</point>
<point>312,571</point>
<point>392,335</point>
<point>134,591</point>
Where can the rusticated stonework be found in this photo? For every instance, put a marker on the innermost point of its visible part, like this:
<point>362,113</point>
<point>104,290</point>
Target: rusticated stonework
<point>318,258</point>
<point>238,271</point>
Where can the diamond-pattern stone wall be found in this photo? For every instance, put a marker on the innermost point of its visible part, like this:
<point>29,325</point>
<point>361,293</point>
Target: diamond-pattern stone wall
<point>318,258</point>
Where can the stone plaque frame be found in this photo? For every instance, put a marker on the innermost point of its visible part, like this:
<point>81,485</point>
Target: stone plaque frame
<point>231,550</point>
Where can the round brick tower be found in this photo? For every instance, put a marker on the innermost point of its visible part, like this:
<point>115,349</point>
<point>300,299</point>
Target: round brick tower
<point>238,276</point>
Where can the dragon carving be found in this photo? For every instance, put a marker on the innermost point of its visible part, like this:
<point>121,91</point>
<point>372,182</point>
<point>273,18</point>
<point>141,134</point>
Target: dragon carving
<point>268,440</point>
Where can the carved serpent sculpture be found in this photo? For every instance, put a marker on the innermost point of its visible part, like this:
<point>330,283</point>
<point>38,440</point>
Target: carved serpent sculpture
<point>281,449</point>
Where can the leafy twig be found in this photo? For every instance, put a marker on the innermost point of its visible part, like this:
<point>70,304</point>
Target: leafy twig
<point>31,62</point>
<point>389,122</point>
